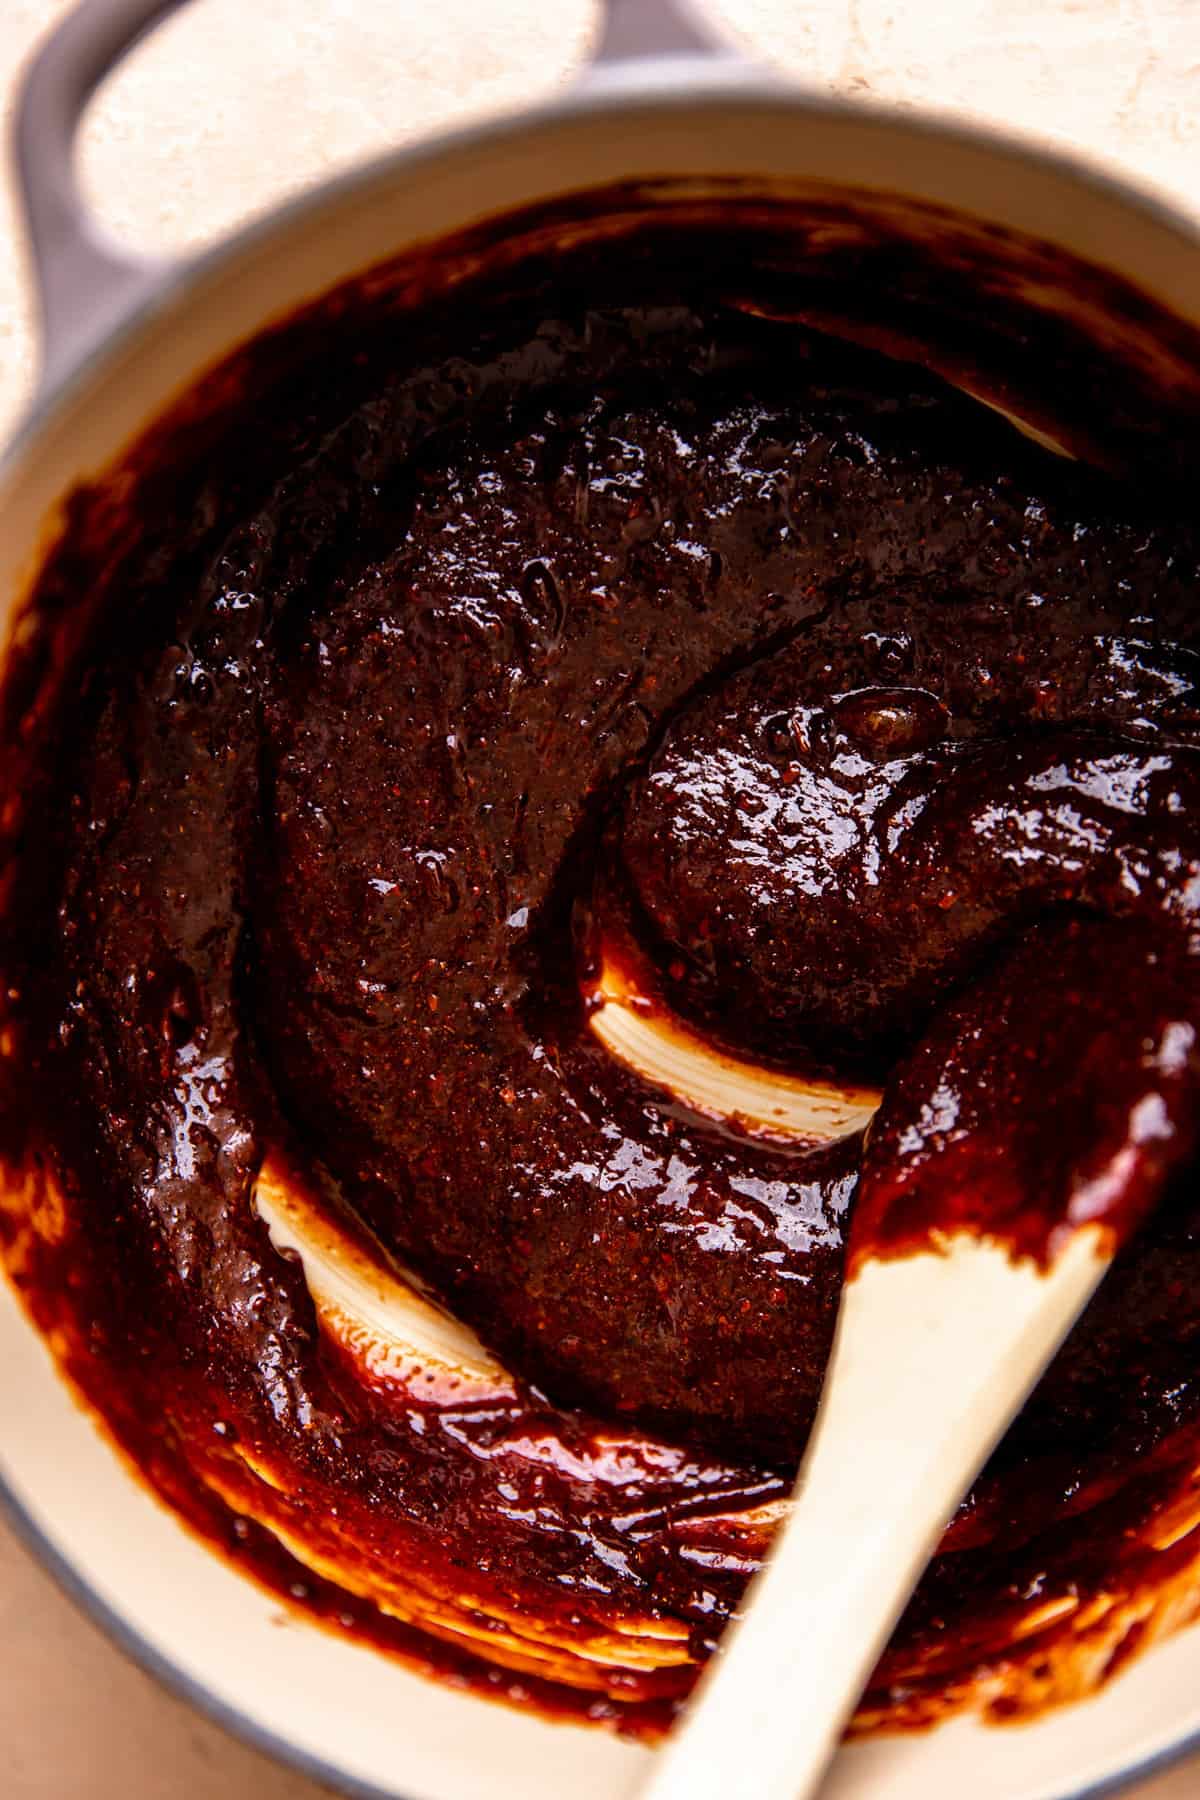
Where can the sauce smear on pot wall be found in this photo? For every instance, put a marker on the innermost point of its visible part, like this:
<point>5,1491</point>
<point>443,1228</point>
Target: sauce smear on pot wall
<point>621,655</point>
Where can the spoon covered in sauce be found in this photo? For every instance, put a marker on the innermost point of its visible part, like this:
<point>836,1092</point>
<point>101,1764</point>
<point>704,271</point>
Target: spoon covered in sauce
<point>977,1241</point>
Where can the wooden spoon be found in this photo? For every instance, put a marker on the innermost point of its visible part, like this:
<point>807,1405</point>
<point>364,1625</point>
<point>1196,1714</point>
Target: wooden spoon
<point>935,1353</point>
<point>1016,1148</point>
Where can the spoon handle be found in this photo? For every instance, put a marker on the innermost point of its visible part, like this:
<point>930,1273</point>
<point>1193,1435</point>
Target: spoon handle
<point>934,1355</point>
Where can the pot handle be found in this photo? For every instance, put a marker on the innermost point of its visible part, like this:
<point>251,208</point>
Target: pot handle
<point>635,28</point>
<point>84,283</point>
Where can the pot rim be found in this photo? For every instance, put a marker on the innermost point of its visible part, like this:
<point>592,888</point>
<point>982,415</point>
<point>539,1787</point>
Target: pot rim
<point>248,1730</point>
<point>677,82</point>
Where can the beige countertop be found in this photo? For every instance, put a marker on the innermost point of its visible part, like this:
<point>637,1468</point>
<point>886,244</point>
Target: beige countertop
<point>232,105</point>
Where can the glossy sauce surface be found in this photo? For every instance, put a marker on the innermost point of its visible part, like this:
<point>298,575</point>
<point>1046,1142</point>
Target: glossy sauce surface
<point>674,636</point>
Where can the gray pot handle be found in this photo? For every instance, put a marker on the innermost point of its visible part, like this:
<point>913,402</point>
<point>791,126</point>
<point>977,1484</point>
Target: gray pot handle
<point>87,285</point>
<point>633,28</point>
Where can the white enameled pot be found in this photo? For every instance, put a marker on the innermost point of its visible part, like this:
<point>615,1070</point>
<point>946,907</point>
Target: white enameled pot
<point>121,340</point>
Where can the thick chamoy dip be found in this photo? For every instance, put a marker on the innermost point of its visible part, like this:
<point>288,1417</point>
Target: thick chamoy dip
<point>617,649</point>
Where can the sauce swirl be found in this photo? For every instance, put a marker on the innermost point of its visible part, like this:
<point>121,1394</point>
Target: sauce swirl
<point>669,657</point>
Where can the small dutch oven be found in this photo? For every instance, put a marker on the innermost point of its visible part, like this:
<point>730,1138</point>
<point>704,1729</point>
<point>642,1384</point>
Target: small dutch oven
<point>662,110</point>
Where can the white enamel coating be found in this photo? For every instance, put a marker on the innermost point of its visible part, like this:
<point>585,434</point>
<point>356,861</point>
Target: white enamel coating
<point>668,1055</point>
<point>361,1721</point>
<point>383,1318</point>
<point>934,1355</point>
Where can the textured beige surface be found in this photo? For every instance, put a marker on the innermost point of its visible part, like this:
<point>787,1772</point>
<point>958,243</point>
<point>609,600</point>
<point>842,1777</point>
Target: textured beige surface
<point>237,102</point>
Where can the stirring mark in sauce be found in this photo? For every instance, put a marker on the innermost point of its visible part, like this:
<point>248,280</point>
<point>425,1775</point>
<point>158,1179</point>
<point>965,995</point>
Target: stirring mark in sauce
<point>547,844</point>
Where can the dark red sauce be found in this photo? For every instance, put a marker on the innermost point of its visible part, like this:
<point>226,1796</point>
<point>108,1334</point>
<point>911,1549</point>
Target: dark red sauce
<point>619,609</point>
